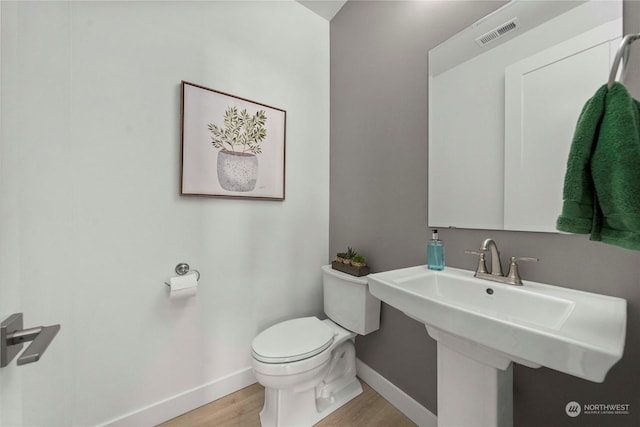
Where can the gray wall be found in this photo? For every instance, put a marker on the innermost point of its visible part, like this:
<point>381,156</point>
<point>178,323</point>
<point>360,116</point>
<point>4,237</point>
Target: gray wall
<point>379,206</point>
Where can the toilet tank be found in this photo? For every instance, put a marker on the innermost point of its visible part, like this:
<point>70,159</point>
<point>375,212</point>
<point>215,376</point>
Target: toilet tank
<point>348,302</point>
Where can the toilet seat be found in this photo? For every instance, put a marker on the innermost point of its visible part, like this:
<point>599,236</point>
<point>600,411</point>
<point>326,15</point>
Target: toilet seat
<point>292,340</point>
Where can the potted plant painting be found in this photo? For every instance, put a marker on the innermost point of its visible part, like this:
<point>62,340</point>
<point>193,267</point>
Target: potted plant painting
<point>238,141</point>
<point>231,147</point>
<point>350,262</point>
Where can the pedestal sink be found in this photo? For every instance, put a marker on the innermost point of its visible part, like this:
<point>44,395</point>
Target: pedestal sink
<point>482,327</point>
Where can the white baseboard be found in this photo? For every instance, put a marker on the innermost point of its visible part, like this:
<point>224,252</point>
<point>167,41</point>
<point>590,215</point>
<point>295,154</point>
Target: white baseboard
<point>398,398</point>
<point>186,401</point>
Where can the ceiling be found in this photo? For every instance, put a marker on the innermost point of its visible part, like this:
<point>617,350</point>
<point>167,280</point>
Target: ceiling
<point>325,8</point>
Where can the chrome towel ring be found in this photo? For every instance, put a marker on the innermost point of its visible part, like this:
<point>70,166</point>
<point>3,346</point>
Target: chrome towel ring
<point>621,55</point>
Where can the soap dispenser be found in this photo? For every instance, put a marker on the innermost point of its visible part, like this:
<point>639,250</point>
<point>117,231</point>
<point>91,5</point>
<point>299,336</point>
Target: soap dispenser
<point>435,253</point>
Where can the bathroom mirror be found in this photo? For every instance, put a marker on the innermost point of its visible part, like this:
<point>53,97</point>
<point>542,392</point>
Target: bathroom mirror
<point>504,98</point>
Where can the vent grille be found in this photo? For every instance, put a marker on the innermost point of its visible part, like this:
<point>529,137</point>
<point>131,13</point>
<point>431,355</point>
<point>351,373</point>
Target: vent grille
<point>498,32</point>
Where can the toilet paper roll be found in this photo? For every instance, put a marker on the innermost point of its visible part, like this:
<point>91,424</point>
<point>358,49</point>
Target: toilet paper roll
<point>183,286</point>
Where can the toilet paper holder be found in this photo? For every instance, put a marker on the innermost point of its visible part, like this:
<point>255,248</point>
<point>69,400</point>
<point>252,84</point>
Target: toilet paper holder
<point>182,269</point>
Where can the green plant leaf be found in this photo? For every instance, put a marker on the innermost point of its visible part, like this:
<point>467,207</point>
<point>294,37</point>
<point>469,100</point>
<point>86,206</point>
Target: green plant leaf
<point>240,129</point>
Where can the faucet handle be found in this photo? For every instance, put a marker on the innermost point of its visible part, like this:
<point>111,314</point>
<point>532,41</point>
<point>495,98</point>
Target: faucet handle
<point>482,266</point>
<point>514,274</point>
<point>524,258</point>
<point>470,252</point>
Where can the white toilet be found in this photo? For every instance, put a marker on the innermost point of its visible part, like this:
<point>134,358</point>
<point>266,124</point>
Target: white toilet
<point>307,365</point>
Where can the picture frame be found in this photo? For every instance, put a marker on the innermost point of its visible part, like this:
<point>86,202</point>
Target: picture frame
<point>231,147</point>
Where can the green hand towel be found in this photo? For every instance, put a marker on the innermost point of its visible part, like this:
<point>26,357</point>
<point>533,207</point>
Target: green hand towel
<point>615,168</point>
<point>578,193</point>
<point>602,184</point>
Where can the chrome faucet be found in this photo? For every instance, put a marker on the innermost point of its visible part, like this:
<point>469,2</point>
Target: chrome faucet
<point>496,275</point>
<point>496,265</point>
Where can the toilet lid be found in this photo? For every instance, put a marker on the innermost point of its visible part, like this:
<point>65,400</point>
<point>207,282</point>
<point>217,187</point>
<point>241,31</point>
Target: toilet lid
<point>292,340</point>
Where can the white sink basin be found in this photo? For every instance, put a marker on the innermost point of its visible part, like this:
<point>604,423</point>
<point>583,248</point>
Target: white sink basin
<point>575,332</point>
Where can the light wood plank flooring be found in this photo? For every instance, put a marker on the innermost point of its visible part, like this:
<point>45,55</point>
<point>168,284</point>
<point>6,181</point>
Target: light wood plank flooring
<point>242,409</point>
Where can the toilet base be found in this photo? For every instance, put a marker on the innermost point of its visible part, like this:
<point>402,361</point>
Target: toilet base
<point>307,404</point>
<point>303,408</point>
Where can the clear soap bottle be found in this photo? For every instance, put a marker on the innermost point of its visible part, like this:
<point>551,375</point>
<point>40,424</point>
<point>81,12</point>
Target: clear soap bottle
<point>435,253</point>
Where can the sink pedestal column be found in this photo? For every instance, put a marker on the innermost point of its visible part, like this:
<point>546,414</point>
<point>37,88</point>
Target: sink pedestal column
<point>471,393</point>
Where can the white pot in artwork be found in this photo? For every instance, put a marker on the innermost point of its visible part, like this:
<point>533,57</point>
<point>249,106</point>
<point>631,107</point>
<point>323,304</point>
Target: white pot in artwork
<point>237,171</point>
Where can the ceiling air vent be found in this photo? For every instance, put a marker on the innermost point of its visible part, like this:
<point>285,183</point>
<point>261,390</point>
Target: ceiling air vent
<point>498,32</point>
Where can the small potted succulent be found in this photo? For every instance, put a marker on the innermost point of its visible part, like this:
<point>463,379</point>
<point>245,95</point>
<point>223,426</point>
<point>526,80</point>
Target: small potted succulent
<point>351,253</point>
<point>350,262</point>
<point>358,261</point>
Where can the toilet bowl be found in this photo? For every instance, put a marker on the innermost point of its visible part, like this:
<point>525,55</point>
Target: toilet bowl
<point>301,388</point>
<point>308,365</point>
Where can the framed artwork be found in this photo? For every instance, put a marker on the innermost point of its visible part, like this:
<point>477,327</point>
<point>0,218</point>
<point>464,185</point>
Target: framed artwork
<point>231,147</point>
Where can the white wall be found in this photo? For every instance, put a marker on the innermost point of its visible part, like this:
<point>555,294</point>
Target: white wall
<point>92,223</point>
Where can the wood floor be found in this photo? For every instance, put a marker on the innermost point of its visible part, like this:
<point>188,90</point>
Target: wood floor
<point>242,409</point>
